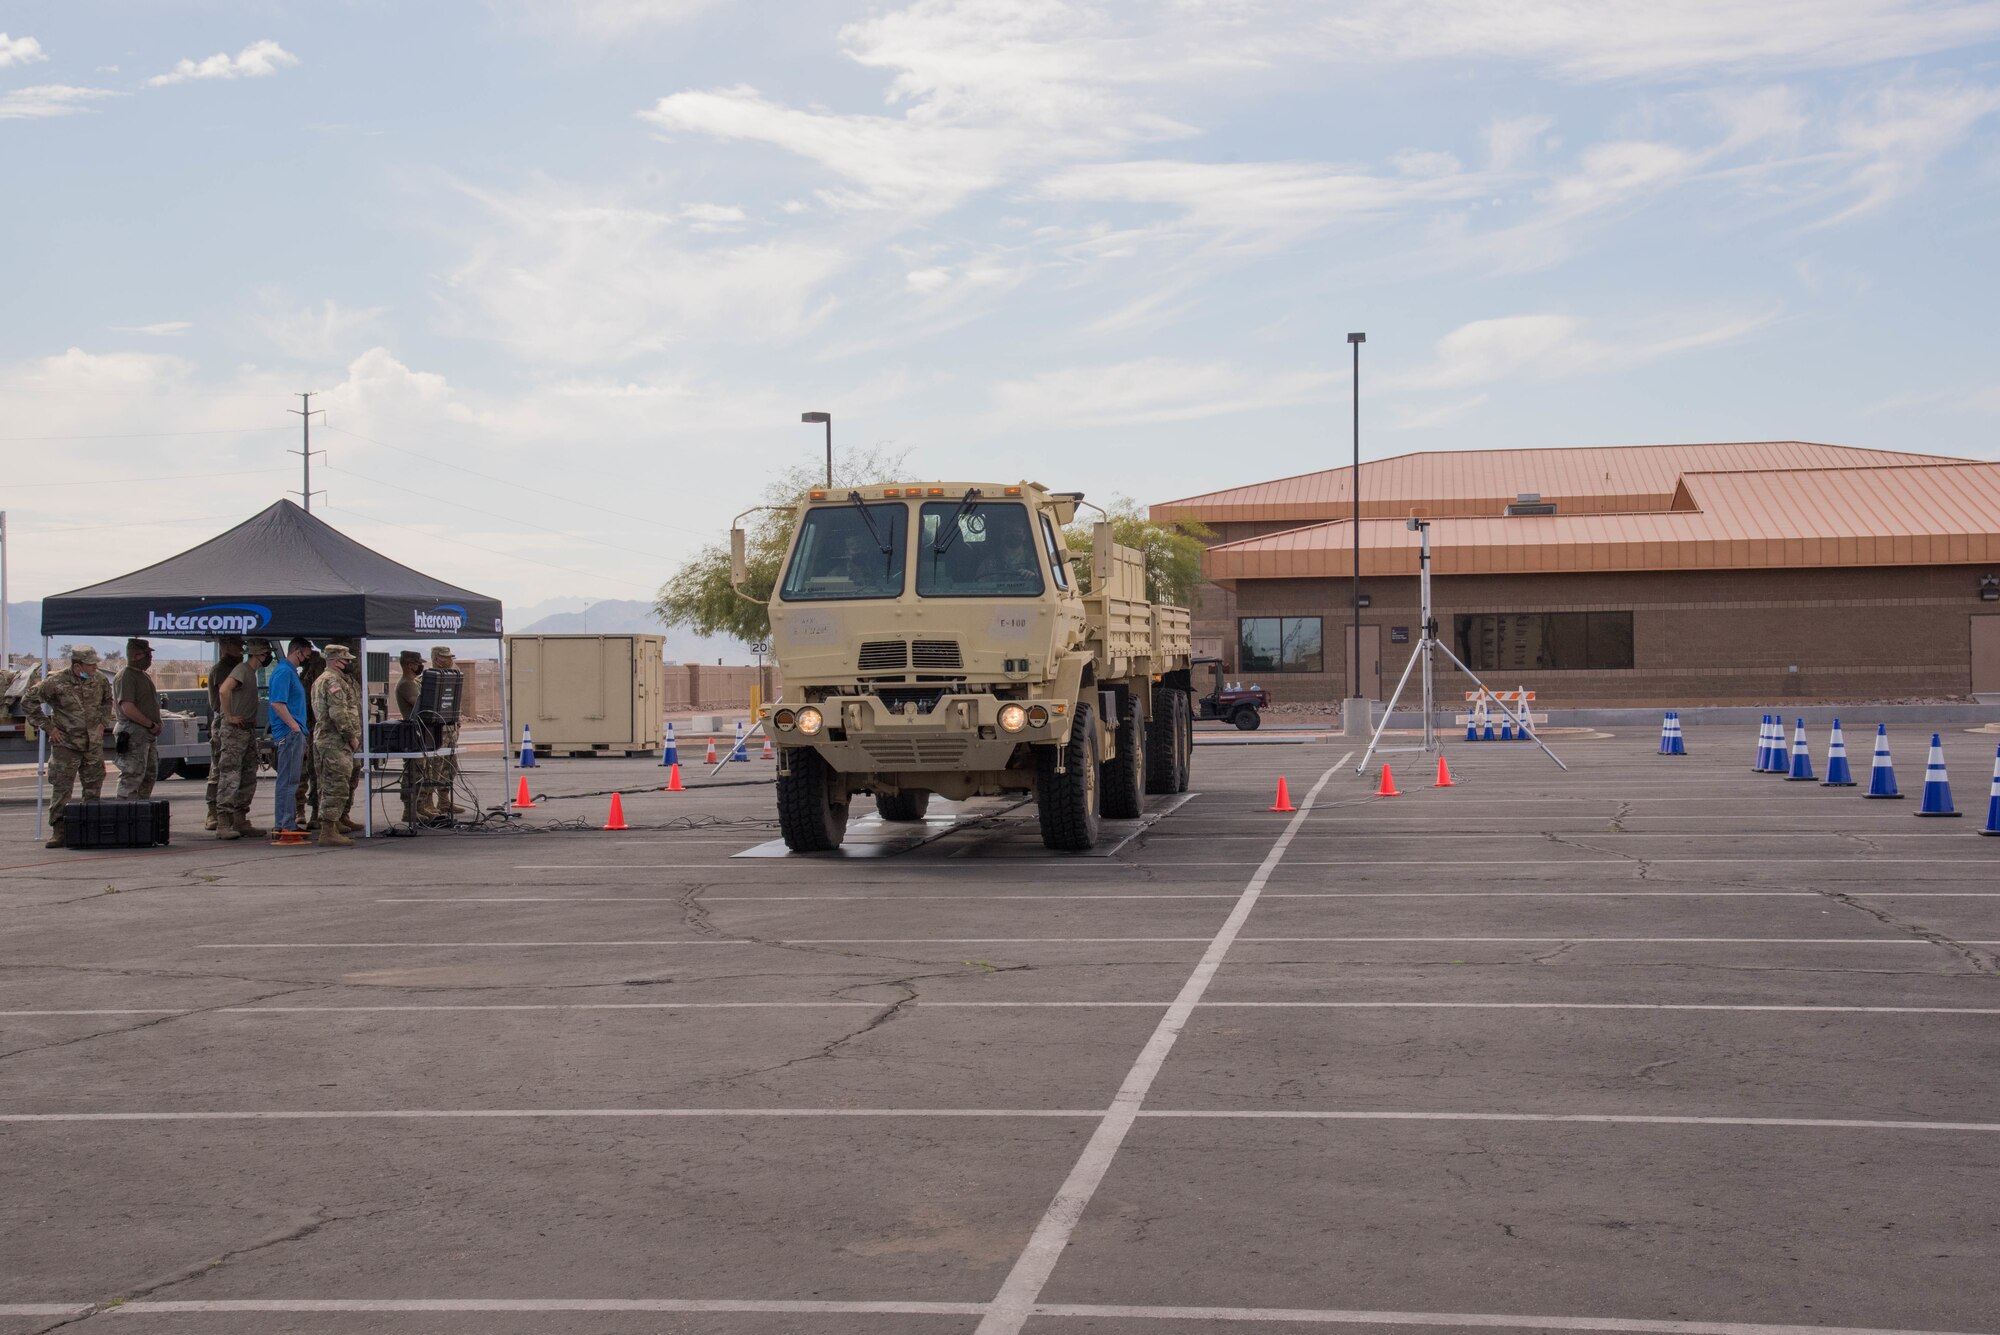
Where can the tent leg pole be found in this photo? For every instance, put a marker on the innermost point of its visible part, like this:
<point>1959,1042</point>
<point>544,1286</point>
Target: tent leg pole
<point>42,753</point>
<point>506,723</point>
<point>367,752</point>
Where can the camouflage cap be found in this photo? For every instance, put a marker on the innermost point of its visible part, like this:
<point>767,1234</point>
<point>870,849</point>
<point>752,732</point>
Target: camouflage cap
<point>410,656</point>
<point>259,645</point>
<point>134,647</point>
<point>338,653</point>
<point>226,640</point>
<point>441,651</point>
<point>83,653</point>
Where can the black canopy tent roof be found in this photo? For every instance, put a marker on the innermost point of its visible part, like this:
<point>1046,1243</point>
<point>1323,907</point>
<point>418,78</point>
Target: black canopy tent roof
<point>280,572</point>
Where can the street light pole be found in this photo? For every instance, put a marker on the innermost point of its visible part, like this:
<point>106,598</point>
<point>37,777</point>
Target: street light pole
<point>828,419</point>
<point>1355,341</point>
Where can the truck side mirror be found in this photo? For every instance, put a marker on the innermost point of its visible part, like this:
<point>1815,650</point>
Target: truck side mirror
<point>739,561</point>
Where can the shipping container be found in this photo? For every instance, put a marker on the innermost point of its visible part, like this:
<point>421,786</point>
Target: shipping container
<point>587,694</point>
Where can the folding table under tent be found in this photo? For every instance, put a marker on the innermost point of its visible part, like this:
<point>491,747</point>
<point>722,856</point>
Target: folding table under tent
<point>280,573</point>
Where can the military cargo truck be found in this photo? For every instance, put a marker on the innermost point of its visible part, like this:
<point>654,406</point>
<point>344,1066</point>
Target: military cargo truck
<point>938,638</point>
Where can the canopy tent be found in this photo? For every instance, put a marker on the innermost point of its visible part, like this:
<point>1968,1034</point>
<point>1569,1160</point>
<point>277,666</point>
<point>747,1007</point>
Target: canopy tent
<point>282,573</point>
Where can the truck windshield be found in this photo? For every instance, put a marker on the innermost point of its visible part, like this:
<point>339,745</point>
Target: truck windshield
<point>990,554</point>
<point>839,553</point>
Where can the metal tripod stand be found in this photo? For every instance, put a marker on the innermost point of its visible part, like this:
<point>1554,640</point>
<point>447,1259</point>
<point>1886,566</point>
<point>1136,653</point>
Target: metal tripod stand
<point>1427,645</point>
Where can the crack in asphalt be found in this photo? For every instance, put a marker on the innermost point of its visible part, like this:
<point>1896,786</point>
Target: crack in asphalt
<point>1981,961</point>
<point>156,1021</point>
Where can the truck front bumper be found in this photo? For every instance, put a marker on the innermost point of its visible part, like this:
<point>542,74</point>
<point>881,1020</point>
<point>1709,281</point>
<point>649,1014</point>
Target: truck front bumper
<point>863,735</point>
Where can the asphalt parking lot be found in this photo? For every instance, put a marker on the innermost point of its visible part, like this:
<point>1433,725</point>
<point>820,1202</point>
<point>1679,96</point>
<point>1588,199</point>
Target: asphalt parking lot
<point>1656,1045</point>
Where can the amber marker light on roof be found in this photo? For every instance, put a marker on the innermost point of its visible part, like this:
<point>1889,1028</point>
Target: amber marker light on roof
<point>937,491</point>
<point>892,491</point>
<point>816,495</point>
<point>1013,491</point>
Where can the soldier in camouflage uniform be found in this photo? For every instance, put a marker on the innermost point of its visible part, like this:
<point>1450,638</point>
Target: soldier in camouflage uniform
<point>72,706</point>
<point>229,652</point>
<point>137,699</point>
<point>336,707</point>
<point>241,724</point>
<point>444,767</point>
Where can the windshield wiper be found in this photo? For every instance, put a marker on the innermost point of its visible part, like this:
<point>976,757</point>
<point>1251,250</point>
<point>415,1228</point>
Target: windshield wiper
<point>888,549</point>
<point>950,533</point>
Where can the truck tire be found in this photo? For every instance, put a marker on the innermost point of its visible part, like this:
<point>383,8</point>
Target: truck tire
<point>166,769</point>
<point>1186,776</point>
<point>908,805</point>
<point>1124,779</point>
<point>808,816</point>
<point>1246,718</point>
<point>1067,802</point>
<point>194,770</point>
<point>1168,733</point>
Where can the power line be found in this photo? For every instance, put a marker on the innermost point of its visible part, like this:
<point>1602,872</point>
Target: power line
<point>150,523</point>
<point>542,492</point>
<point>492,551</point>
<point>505,519</point>
<point>154,435</point>
<point>167,477</point>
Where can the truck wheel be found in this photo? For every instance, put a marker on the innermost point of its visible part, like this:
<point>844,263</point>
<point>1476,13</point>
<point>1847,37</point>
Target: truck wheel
<point>166,769</point>
<point>1125,773</point>
<point>1247,718</point>
<point>194,770</point>
<point>1167,738</point>
<point>1067,802</point>
<point>910,804</point>
<point>808,816</point>
<point>1185,775</point>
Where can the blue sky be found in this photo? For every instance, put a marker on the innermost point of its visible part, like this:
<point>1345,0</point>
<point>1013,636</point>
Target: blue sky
<point>565,272</point>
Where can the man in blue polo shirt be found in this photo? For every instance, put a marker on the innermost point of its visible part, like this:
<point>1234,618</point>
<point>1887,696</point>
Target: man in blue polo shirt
<point>288,730</point>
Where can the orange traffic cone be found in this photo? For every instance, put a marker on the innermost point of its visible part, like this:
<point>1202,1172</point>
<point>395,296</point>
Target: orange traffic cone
<point>710,758</point>
<point>522,801</point>
<point>1444,779</point>
<point>616,820</point>
<point>674,779</point>
<point>1388,788</point>
<point>1283,802</point>
<point>768,753</point>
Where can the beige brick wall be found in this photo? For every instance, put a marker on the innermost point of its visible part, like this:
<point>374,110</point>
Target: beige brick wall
<point>1705,637</point>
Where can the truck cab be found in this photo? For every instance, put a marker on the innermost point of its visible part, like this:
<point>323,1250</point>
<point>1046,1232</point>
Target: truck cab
<point>938,638</point>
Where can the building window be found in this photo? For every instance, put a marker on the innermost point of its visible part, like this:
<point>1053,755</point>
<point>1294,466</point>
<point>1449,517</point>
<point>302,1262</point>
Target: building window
<point>1279,644</point>
<point>1545,641</point>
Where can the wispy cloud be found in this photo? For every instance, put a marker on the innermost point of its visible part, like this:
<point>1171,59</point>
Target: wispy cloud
<point>19,51</point>
<point>1625,39</point>
<point>1153,389</point>
<point>258,60</point>
<point>320,335</point>
<point>49,99</point>
<point>607,18</point>
<point>1554,347</point>
<point>1893,137</point>
<point>164,329</point>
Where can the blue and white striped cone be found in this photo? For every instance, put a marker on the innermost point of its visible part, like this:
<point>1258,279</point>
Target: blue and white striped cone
<point>1937,784</point>
<point>527,748</point>
<point>1472,722</point>
<point>737,752</point>
<point>1680,741</point>
<point>670,754</point>
<point>1780,759</point>
<point>1667,733</point>
<point>1882,774</point>
<point>1506,726</point>
<point>1487,715</point>
<point>1763,743</point>
<point>1801,757</point>
<point>1993,801</point>
<point>1837,774</point>
<point>1771,747</point>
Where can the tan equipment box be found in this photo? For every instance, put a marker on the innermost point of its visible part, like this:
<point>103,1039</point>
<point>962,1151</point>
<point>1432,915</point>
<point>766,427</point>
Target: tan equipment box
<point>587,694</point>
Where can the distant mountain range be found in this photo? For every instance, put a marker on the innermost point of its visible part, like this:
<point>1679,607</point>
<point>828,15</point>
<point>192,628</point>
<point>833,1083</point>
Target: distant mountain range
<point>556,616</point>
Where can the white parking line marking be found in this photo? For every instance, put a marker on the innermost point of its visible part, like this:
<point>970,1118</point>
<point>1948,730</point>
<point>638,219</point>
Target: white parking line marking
<point>1019,1005</point>
<point>499,1114</point>
<point>1474,1320</point>
<point>1172,895</point>
<point>1023,1285</point>
<point>781,1306</point>
<point>1609,1119</point>
<point>1351,940</point>
<point>425,945</point>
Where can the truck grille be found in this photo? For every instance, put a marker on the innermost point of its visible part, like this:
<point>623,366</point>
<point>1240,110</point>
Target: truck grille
<point>900,752</point>
<point>937,654</point>
<point>883,656</point>
<point>924,699</point>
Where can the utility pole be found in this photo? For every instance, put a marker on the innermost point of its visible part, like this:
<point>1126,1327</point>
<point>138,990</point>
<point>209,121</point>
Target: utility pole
<point>305,415</point>
<point>1353,712</point>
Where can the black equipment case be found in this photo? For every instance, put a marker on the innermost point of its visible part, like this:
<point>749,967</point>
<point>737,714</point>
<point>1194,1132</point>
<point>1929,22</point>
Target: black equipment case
<point>114,822</point>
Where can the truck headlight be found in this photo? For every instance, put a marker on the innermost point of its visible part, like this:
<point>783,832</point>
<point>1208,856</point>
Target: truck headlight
<point>1013,718</point>
<point>811,721</point>
<point>785,719</point>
